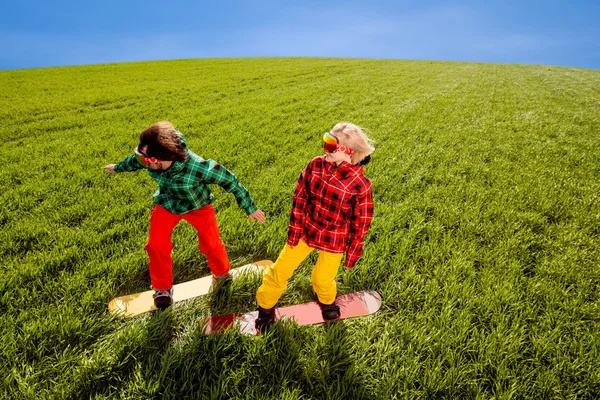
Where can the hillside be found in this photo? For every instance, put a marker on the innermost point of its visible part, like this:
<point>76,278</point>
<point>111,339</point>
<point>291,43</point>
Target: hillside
<point>485,242</point>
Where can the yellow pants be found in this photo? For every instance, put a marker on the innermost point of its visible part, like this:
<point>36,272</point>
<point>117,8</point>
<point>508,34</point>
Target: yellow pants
<point>276,278</point>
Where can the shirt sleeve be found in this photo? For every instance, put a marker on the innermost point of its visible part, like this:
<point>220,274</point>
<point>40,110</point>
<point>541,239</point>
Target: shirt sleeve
<point>362,214</point>
<point>299,201</point>
<point>214,172</point>
<point>129,164</point>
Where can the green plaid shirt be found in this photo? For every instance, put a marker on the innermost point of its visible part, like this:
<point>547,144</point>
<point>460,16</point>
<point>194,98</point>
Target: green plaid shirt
<point>185,186</point>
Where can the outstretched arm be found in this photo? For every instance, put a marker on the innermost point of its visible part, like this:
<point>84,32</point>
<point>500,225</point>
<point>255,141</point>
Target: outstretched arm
<point>213,172</point>
<point>127,165</point>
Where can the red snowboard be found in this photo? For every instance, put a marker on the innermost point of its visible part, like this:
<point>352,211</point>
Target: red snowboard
<point>351,305</point>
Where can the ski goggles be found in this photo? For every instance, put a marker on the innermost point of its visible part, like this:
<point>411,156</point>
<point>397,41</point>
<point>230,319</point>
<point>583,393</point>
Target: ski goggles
<point>144,159</point>
<point>331,144</point>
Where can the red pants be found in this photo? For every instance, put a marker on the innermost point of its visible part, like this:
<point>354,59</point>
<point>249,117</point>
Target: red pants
<point>160,246</point>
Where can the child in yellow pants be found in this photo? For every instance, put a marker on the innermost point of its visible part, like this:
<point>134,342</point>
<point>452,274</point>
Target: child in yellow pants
<point>331,212</point>
<point>322,278</point>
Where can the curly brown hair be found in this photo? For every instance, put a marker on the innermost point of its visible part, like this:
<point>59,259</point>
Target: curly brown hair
<point>162,141</point>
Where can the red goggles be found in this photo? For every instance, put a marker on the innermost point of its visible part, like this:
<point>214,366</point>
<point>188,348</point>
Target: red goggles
<point>331,144</point>
<point>144,159</point>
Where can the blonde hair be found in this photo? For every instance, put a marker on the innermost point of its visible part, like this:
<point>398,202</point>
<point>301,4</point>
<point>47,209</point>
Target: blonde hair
<point>354,137</point>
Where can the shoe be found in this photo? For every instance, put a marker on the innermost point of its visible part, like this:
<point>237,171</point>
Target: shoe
<point>163,298</point>
<point>329,311</point>
<point>266,316</point>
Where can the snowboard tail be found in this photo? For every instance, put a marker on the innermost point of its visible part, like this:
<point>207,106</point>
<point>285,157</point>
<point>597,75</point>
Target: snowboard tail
<point>135,304</point>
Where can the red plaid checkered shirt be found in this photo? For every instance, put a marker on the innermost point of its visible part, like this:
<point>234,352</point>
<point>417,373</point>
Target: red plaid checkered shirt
<point>332,208</point>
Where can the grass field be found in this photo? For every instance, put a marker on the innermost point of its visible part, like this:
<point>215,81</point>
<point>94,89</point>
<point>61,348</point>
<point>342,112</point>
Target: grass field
<point>485,242</point>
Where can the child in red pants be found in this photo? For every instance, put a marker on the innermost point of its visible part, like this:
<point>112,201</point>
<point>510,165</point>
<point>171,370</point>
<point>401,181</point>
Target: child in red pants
<point>331,212</point>
<point>184,180</point>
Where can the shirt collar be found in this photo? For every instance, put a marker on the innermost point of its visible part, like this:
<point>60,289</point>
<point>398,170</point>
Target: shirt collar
<point>178,165</point>
<point>175,167</point>
<point>346,166</point>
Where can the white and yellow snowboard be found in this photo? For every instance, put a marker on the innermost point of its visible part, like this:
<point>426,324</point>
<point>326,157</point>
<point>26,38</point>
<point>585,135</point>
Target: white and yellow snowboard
<point>135,304</point>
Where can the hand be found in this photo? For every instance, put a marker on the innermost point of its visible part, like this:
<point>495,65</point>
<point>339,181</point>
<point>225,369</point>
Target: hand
<point>257,215</point>
<point>110,169</point>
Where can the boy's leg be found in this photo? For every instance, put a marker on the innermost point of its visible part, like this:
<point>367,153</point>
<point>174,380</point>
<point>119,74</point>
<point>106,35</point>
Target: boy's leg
<point>159,247</point>
<point>323,276</point>
<point>209,239</point>
<point>276,278</point>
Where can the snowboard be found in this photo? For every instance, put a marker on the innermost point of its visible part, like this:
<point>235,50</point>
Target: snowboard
<point>351,305</point>
<point>135,304</point>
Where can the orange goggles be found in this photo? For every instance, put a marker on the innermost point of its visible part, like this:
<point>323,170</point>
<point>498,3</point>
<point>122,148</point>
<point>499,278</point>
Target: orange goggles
<point>331,144</point>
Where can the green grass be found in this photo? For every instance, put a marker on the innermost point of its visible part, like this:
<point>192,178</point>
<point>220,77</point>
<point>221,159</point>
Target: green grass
<point>484,246</point>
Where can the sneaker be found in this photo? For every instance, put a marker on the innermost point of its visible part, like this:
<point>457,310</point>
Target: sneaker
<point>163,298</point>
<point>329,311</point>
<point>266,316</point>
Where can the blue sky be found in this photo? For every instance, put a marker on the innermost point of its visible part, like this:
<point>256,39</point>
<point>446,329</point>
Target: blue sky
<point>45,33</point>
